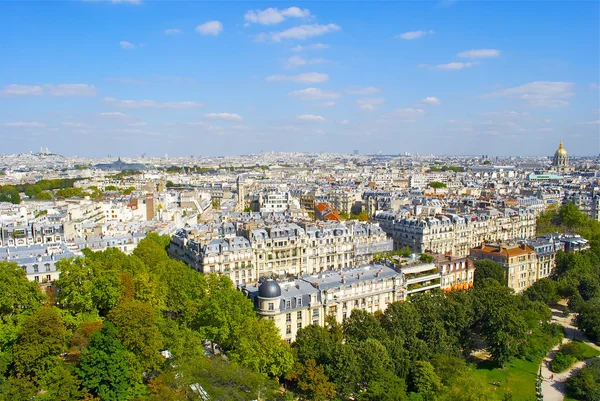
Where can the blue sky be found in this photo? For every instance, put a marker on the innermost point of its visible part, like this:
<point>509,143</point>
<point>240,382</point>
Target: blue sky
<point>93,78</point>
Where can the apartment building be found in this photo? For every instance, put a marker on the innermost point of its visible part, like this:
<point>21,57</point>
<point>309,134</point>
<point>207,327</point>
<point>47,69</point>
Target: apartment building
<point>455,273</point>
<point>456,234</point>
<point>308,299</point>
<point>519,262</point>
<point>281,249</point>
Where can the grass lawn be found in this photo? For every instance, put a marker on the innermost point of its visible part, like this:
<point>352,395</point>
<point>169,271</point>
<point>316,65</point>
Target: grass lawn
<point>588,352</point>
<point>517,377</point>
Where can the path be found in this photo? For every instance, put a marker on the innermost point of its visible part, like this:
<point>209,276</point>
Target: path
<point>555,390</point>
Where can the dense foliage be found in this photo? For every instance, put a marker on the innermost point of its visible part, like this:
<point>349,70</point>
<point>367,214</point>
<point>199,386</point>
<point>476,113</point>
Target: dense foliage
<point>99,334</point>
<point>417,350</point>
<point>585,386</point>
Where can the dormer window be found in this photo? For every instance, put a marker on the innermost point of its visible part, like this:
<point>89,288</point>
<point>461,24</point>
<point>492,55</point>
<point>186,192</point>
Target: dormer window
<point>299,301</point>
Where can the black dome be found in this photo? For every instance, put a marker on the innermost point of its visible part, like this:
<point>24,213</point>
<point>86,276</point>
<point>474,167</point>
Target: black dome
<point>269,289</point>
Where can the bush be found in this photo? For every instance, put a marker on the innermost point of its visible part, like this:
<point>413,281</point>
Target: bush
<point>585,386</point>
<point>562,362</point>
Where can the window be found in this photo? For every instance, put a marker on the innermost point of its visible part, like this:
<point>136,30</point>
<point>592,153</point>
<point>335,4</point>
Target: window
<point>288,317</point>
<point>288,329</point>
<point>315,312</point>
<point>299,315</point>
<point>299,325</point>
<point>315,322</point>
<point>299,301</point>
<point>36,269</point>
<point>288,304</point>
<point>271,306</point>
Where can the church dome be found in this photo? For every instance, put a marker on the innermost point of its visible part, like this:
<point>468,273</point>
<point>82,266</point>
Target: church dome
<point>269,289</point>
<point>561,150</point>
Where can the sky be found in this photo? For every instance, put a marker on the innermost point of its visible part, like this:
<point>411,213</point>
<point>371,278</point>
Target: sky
<point>126,77</point>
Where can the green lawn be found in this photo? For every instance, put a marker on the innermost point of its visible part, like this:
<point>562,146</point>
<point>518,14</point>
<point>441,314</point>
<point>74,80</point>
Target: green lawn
<point>589,352</point>
<point>517,377</point>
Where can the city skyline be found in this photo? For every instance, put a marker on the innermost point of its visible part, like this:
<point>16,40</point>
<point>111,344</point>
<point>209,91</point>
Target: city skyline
<point>129,77</point>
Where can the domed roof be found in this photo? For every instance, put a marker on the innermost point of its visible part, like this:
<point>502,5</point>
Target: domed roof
<point>561,150</point>
<point>269,289</point>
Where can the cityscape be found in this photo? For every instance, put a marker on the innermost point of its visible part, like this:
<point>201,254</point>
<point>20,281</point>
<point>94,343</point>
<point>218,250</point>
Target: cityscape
<point>322,201</point>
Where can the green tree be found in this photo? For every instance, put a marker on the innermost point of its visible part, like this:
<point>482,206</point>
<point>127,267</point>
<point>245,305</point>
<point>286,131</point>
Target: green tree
<point>42,338</point>
<point>424,380</point>
<point>104,367</point>
<point>585,385</point>
<point>362,325</point>
<point>314,342</point>
<point>260,348</point>
<point>436,185</point>
<point>488,269</point>
<point>544,290</point>
<point>74,286</point>
<point>137,325</point>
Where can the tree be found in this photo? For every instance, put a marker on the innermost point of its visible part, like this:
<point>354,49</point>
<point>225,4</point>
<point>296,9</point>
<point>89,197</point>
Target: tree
<point>314,342</point>
<point>43,337</point>
<point>362,325</point>
<point>104,366</point>
<point>586,385</point>
<point>74,285</point>
<point>311,381</point>
<point>17,294</point>
<point>424,380</point>
<point>436,185</point>
<point>488,269</point>
<point>260,348</point>
<point>61,384</point>
<point>137,327</point>
<point>544,290</point>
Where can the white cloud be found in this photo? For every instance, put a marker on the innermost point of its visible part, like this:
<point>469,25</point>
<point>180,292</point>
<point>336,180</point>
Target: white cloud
<point>25,124</point>
<point>343,122</point>
<point>74,124</point>
<point>310,117</point>
<point>455,65</point>
<point>223,116</point>
<point>272,16</point>
<point>212,28</point>
<point>140,104</point>
<point>366,90</point>
<point>314,94</point>
<point>540,93</point>
<point>408,112</point>
<point>594,85</point>
<point>414,34</point>
<point>597,122</point>
<point>138,124</point>
<point>117,114</point>
<point>370,104</point>
<point>306,78</point>
<point>301,32</point>
<point>328,104</point>
<point>430,101</point>
<point>127,45</point>
<point>240,127</point>
<point>173,31</point>
<point>314,46</point>
<point>297,61</point>
<point>479,53</point>
<point>22,90</point>
<point>70,90</point>
<point>50,90</point>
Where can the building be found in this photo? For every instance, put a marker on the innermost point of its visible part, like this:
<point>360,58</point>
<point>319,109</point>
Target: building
<point>455,273</point>
<point>560,162</point>
<point>280,250</point>
<point>120,165</point>
<point>456,234</point>
<point>519,262</point>
<point>308,299</point>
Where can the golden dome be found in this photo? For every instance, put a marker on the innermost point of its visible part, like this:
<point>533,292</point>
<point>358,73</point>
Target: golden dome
<point>561,150</point>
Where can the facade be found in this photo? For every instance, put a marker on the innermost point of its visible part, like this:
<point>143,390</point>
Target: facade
<point>519,262</point>
<point>456,234</point>
<point>285,249</point>
<point>306,300</point>
<point>455,273</point>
